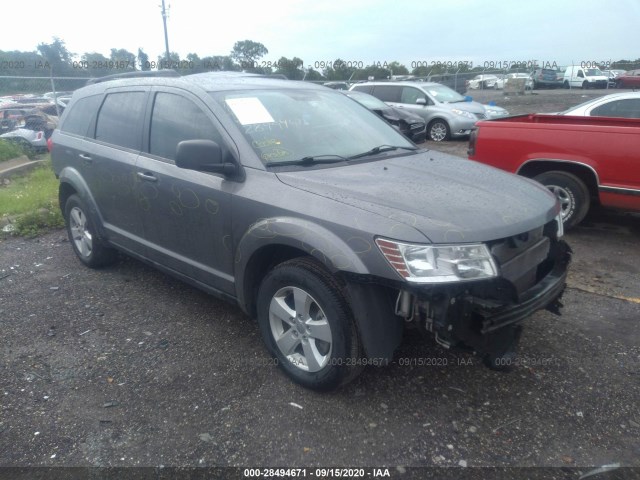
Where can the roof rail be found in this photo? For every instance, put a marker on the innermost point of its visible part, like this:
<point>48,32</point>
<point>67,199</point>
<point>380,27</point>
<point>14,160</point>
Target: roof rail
<point>136,74</point>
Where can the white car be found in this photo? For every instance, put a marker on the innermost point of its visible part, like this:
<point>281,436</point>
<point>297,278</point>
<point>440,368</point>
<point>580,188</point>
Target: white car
<point>626,105</point>
<point>484,81</point>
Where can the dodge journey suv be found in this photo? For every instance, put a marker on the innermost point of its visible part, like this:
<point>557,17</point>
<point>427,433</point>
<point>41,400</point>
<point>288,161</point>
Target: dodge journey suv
<point>310,212</point>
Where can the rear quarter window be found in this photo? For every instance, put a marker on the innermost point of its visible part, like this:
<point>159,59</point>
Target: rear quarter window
<point>78,118</point>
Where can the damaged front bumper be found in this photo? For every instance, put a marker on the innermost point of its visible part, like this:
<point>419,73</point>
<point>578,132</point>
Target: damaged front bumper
<point>483,316</point>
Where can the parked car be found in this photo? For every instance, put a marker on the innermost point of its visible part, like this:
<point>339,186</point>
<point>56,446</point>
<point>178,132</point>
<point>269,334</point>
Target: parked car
<point>483,82</point>
<point>410,125</point>
<point>626,105</point>
<point>547,78</point>
<point>310,212</point>
<point>612,76</point>
<point>577,76</point>
<point>446,113</point>
<point>31,141</point>
<point>583,160</point>
<point>528,84</point>
<point>630,79</point>
<point>52,95</point>
<point>337,85</point>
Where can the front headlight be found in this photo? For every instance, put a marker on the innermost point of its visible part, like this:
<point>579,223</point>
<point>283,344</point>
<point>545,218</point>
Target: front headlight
<point>439,263</point>
<point>492,112</point>
<point>464,113</point>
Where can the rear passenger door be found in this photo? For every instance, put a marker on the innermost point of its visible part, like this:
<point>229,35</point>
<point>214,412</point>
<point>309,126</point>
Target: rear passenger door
<point>110,165</point>
<point>185,214</point>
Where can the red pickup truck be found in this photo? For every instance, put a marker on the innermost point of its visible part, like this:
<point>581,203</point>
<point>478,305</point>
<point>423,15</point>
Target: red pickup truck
<point>583,160</point>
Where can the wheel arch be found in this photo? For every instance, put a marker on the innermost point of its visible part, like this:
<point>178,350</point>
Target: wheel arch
<point>269,242</point>
<point>584,172</point>
<point>71,182</point>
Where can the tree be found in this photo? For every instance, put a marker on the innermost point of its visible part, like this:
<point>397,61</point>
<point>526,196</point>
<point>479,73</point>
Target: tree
<point>56,55</point>
<point>143,60</point>
<point>338,70</point>
<point>171,64</point>
<point>313,75</point>
<point>219,63</point>
<point>292,69</point>
<point>247,53</point>
<point>96,64</point>
<point>398,69</point>
<point>123,60</point>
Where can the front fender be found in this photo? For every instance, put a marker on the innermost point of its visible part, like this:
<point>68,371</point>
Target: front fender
<point>328,248</point>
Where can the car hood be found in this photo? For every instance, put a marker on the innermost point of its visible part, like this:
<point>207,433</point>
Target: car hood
<point>448,199</point>
<point>473,107</point>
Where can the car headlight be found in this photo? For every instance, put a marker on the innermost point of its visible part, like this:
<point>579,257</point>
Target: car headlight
<point>439,263</point>
<point>464,113</point>
<point>492,112</point>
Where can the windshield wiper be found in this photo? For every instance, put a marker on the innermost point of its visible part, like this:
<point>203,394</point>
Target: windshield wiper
<point>380,149</point>
<point>311,160</point>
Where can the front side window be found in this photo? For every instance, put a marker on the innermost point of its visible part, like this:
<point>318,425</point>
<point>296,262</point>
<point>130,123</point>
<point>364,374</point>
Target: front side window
<point>287,125</point>
<point>120,118</point>
<point>175,119</point>
<point>410,95</point>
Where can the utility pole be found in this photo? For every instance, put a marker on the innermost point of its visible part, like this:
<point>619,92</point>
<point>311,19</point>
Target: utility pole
<point>166,37</point>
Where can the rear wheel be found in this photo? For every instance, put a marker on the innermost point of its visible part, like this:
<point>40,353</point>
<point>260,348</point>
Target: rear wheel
<point>307,325</point>
<point>438,130</point>
<point>572,193</point>
<point>82,234</point>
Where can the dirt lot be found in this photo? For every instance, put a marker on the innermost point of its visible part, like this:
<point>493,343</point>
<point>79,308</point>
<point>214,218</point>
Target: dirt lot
<point>128,367</point>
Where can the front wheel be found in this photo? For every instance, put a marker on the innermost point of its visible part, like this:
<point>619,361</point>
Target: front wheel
<point>438,130</point>
<point>307,325</point>
<point>585,85</point>
<point>572,193</point>
<point>82,235</point>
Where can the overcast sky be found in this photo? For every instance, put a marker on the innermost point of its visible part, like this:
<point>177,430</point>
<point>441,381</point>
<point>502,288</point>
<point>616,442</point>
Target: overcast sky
<point>561,31</point>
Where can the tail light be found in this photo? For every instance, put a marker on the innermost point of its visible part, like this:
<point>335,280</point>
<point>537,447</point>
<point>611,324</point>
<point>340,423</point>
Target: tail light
<point>471,151</point>
<point>39,136</point>
<point>49,144</point>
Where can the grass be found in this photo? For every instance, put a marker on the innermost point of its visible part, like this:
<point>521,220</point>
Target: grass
<point>33,200</point>
<point>9,150</point>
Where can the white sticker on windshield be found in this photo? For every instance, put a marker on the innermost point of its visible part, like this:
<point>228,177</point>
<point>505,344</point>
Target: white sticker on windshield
<point>249,110</point>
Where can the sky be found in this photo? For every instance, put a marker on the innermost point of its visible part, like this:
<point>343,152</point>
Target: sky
<point>362,31</point>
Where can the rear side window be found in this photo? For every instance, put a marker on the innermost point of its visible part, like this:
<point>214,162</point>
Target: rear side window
<point>175,119</point>
<point>120,118</point>
<point>387,93</point>
<point>79,116</point>
<point>629,108</point>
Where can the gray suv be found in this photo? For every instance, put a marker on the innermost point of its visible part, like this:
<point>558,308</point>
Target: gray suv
<point>446,113</point>
<point>311,213</point>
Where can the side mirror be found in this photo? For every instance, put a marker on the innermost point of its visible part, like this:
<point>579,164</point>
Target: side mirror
<point>421,101</point>
<point>203,155</point>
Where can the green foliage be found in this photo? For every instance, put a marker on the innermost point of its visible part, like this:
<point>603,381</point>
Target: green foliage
<point>33,198</point>
<point>247,52</point>
<point>9,150</point>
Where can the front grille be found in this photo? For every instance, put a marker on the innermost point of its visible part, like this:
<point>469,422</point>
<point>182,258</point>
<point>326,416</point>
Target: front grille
<point>519,256</point>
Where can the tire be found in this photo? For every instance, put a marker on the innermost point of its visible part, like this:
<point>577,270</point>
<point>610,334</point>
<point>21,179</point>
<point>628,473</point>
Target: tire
<point>572,193</point>
<point>566,84</point>
<point>585,85</point>
<point>316,344</point>
<point>82,235</point>
<point>438,130</point>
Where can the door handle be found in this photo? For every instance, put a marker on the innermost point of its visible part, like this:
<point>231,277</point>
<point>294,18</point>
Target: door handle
<point>147,176</point>
<point>85,157</point>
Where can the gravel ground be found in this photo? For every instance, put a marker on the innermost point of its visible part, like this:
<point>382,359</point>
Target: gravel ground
<point>128,367</point>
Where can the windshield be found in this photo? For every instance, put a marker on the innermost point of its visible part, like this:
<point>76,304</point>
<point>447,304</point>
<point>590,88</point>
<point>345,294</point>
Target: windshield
<point>592,72</point>
<point>287,125</point>
<point>443,94</point>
